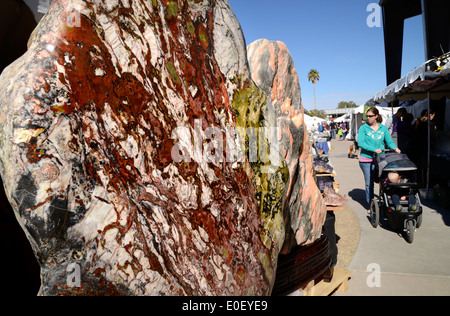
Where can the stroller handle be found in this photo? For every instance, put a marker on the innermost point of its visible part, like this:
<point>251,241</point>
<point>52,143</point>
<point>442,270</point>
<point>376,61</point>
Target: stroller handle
<point>384,152</point>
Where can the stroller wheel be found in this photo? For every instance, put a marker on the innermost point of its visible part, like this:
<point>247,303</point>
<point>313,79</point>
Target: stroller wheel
<point>419,221</point>
<point>410,228</point>
<point>374,212</point>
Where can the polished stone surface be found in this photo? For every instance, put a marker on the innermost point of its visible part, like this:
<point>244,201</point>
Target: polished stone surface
<point>273,70</point>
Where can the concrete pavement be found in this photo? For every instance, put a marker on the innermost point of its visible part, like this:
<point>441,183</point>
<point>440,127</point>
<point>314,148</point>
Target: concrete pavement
<point>383,263</point>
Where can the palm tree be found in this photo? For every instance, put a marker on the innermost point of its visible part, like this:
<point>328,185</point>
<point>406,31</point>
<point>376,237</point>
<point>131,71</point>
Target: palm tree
<point>314,76</point>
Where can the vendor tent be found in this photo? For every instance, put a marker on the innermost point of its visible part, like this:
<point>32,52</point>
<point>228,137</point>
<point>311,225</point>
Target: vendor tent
<point>344,118</point>
<point>431,79</point>
<point>312,121</point>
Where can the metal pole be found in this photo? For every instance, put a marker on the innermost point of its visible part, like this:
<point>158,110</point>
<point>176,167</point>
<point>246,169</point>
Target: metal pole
<point>425,20</point>
<point>429,147</point>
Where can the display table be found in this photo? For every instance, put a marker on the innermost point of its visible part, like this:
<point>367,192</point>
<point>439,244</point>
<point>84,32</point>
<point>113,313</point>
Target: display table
<point>324,146</point>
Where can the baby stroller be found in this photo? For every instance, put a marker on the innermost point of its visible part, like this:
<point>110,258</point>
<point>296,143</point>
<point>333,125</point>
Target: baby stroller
<point>406,219</point>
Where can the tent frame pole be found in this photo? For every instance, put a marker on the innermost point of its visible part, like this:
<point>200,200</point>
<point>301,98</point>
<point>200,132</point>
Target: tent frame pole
<point>429,148</point>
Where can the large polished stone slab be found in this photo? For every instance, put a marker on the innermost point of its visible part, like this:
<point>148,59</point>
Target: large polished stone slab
<point>274,71</point>
<point>139,155</point>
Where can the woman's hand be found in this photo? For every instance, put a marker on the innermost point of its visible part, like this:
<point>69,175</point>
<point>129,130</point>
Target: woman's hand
<point>378,151</point>
<point>398,151</point>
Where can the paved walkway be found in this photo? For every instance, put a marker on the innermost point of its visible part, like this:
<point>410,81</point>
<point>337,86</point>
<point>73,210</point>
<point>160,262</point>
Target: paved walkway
<point>383,263</point>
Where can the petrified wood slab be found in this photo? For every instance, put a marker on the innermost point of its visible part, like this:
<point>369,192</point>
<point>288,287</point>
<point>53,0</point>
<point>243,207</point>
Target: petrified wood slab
<point>273,70</point>
<point>138,154</point>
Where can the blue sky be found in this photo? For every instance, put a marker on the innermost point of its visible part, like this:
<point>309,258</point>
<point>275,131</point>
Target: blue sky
<point>334,38</point>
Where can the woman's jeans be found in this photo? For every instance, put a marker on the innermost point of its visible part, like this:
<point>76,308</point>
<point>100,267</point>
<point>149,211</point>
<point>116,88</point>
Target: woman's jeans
<point>368,170</point>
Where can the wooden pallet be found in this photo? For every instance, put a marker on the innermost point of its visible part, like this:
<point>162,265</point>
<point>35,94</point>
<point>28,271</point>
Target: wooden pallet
<point>339,282</point>
<point>333,174</point>
<point>334,208</point>
<point>303,264</point>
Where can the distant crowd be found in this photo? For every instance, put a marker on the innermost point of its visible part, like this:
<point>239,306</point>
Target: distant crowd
<point>335,129</point>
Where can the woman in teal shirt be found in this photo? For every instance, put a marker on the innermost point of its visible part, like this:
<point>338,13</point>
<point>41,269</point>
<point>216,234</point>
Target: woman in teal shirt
<point>372,137</point>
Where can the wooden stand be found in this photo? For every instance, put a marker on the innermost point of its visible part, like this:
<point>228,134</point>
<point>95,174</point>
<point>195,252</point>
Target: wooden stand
<point>334,208</point>
<point>339,282</point>
<point>326,174</point>
<point>301,266</point>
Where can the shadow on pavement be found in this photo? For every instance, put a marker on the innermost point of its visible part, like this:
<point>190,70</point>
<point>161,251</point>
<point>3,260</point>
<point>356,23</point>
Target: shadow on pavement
<point>445,213</point>
<point>359,195</point>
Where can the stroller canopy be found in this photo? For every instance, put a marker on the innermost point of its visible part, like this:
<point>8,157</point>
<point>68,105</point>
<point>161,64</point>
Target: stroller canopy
<point>394,162</point>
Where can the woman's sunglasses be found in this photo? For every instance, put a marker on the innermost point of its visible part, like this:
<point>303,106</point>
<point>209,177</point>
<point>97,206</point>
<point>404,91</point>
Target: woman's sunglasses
<point>370,115</point>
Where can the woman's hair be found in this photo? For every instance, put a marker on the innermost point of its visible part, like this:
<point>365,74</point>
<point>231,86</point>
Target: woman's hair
<point>409,117</point>
<point>424,115</point>
<point>376,112</point>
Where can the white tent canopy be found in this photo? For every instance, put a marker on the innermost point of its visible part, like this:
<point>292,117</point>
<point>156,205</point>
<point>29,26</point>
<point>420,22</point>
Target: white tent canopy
<point>344,118</point>
<point>426,81</point>
<point>312,121</point>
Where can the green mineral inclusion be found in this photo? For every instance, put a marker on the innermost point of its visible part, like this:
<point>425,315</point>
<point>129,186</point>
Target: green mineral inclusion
<point>172,9</point>
<point>250,104</point>
<point>191,28</point>
<point>173,72</point>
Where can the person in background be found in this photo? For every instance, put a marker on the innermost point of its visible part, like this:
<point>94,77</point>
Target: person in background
<point>319,128</point>
<point>372,137</point>
<point>344,130</point>
<point>391,123</point>
<point>340,133</point>
<point>333,130</point>
<point>420,136</point>
<point>405,133</point>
